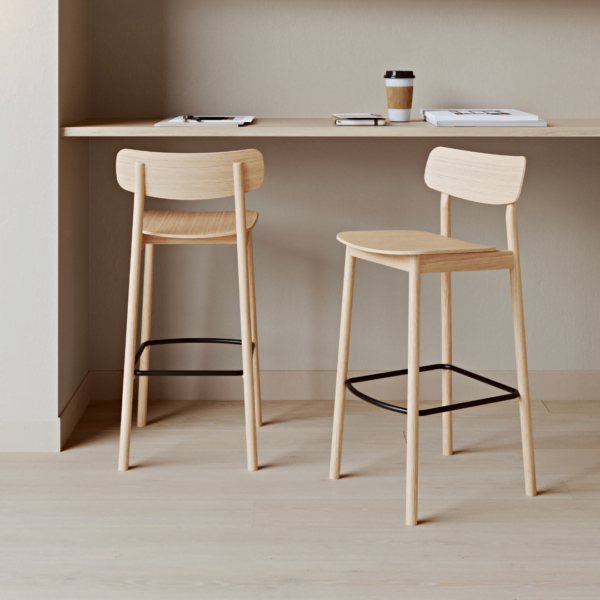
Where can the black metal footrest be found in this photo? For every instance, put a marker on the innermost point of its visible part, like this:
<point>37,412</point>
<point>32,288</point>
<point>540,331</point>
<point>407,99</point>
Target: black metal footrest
<point>511,395</point>
<point>187,341</point>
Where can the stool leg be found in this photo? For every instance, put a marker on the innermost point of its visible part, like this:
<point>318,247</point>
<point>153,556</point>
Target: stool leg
<point>243,278</point>
<point>521,351</point>
<point>255,362</point>
<point>445,230</point>
<point>142,407</point>
<point>342,367</point>
<point>247,361</point>
<point>447,360</point>
<point>523,382</point>
<point>412,428</point>
<point>132,311</point>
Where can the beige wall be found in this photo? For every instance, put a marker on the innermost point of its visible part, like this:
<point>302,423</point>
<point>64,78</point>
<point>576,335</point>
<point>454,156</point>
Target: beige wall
<point>281,58</point>
<point>309,58</point>
<point>29,241</point>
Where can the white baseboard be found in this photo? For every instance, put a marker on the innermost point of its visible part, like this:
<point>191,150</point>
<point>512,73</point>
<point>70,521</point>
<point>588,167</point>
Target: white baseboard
<point>30,435</point>
<point>320,385</point>
<point>76,406</point>
<point>46,435</point>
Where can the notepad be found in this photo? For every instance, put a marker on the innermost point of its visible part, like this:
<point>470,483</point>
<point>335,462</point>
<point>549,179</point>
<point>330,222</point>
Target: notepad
<point>206,121</point>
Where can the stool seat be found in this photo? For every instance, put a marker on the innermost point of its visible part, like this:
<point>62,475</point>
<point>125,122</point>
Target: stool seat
<point>407,243</point>
<point>193,225</point>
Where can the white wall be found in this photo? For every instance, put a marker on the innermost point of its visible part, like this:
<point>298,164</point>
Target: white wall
<point>44,253</point>
<point>309,59</point>
<point>29,241</point>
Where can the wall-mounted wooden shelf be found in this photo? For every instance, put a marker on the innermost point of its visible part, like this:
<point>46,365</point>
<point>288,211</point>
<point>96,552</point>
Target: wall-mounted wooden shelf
<point>325,128</point>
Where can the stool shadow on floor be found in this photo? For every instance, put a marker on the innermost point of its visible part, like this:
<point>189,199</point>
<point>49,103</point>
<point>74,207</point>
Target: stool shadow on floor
<point>101,419</point>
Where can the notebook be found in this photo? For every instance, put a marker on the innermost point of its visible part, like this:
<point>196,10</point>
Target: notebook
<point>358,119</point>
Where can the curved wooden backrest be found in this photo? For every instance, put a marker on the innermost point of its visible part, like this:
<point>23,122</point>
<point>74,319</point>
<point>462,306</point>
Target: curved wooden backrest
<point>190,176</point>
<point>485,178</point>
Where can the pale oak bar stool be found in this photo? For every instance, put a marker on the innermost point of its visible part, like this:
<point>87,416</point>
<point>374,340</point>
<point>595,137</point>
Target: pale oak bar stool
<point>483,178</point>
<point>190,177</point>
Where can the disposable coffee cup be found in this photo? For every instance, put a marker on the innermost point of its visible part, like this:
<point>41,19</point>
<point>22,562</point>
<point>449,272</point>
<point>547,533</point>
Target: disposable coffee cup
<point>399,90</point>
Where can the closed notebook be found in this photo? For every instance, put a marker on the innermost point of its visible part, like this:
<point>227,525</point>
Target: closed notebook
<point>358,119</point>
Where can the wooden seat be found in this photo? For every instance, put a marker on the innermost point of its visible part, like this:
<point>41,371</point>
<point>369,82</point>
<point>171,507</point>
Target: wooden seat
<point>483,178</point>
<point>190,177</point>
<point>194,225</point>
<point>407,243</point>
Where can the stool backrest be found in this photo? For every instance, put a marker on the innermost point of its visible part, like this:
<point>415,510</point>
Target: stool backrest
<point>484,178</point>
<point>478,177</point>
<point>175,176</point>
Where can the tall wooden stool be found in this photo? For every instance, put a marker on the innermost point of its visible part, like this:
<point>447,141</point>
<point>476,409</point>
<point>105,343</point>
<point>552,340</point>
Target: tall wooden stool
<point>189,177</point>
<point>484,178</point>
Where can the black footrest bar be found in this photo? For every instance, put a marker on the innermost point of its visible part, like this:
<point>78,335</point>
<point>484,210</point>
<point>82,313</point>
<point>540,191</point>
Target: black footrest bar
<point>187,341</point>
<point>511,395</point>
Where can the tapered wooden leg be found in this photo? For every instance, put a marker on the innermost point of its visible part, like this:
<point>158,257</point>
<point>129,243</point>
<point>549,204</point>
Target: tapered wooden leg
<point>521,350</point>
<point>342,367</point>
<point>255,362</point>
<point>523,382</point>
<point>142,407</point>
<point>247,362</point>
<point>447,360</point>
<point>132,311</point>
<point>412,428</point>
<point>244,286</point>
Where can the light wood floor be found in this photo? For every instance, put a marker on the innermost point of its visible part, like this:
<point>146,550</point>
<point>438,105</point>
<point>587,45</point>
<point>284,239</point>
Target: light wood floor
<point>189,521</point>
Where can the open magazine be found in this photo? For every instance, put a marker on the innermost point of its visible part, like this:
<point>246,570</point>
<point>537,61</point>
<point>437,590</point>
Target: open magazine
<point>481,117</point>
<point>205,121</point>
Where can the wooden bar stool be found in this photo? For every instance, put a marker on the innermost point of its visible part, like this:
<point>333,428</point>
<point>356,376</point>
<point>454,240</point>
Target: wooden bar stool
<point>483,178</point>
<point>189,177</point>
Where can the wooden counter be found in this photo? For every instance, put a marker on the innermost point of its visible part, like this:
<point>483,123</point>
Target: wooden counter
<point>325,128</point>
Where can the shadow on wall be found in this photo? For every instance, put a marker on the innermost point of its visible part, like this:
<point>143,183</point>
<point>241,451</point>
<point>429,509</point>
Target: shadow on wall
<point>283,58</point>
<point>127,58</point>
<point>315,189</point>
<point>153,58</point>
